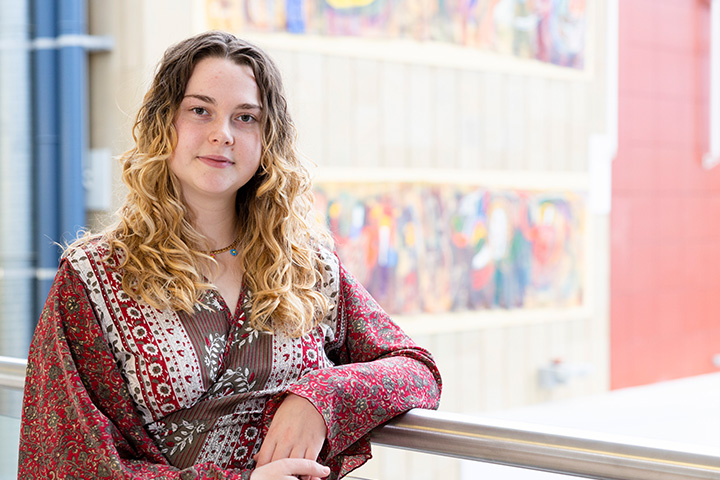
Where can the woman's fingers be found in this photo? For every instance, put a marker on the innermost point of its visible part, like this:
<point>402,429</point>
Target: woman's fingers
<point>274,448</point>
<point>265,454</point>
<point>296,431</point>
<point>313,450</point>
<point>290,469</point>
<point>298,451</point>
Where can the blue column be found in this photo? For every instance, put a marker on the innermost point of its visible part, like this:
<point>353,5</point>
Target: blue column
<point>73,115</point>
<point>45,125</point>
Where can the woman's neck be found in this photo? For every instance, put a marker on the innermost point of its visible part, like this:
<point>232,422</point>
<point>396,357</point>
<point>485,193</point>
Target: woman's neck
<point>217,222</point>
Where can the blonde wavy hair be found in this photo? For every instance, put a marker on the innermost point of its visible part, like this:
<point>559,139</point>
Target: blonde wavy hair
<point>163,254</point>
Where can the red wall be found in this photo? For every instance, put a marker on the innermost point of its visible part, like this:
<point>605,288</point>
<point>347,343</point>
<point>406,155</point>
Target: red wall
<point>665,221</point>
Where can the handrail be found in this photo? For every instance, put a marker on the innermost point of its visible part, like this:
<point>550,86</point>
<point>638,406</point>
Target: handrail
<point>549,449</point>
<point>12,372</point>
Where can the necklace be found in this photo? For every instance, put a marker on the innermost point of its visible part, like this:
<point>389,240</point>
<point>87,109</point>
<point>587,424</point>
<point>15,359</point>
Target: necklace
<point>232,247</point>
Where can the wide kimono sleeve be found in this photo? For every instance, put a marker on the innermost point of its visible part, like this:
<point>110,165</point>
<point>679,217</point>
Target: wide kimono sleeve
<point>380,373</point>
<point>78,419</point>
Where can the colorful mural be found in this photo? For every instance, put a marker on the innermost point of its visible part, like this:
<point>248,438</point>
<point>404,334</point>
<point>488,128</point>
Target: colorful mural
<point>437,248</point>
<point>547,30</point>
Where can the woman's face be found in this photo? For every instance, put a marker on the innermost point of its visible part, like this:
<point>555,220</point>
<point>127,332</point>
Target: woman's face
<point>218,131</point>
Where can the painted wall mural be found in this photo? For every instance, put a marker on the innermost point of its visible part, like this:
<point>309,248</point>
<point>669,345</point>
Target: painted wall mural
<point>437,248</point>
<point>551,31</point>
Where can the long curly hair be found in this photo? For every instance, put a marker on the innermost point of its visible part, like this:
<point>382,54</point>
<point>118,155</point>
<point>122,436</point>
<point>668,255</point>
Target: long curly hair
<point>163,254</point>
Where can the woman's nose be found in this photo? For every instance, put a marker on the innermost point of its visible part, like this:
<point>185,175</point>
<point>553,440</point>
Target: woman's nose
<point>221,134</point>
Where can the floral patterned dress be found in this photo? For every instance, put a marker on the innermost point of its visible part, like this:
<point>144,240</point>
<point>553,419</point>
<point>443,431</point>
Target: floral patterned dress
<point>118,389</point>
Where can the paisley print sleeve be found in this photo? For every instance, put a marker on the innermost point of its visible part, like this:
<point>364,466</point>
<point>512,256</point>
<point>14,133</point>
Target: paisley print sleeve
<point>380,373</point>
<point>79,420</point>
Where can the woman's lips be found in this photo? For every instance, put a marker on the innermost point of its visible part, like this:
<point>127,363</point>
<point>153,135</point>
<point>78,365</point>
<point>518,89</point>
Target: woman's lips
<point>216,161</point>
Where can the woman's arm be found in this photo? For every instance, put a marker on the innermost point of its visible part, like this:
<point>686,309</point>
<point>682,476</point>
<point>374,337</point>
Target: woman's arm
<point>78,417</point>
<point>381,374</point>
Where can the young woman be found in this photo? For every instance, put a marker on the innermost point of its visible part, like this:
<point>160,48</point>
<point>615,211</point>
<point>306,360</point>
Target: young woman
<point>212,332</point>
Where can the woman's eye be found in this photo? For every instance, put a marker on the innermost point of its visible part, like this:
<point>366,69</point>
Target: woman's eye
<point>246,118</point>
<point>198,110</point>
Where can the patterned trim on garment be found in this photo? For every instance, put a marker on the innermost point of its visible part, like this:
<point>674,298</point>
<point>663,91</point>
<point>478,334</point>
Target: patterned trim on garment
<point>172,346</point>
<point>330,287</point>
<point>139,336</point>
<point>287,359</point>
<point>234,435</point>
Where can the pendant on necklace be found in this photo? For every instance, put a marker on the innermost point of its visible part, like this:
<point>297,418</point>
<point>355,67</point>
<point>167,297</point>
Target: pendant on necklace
<point>233,252</point>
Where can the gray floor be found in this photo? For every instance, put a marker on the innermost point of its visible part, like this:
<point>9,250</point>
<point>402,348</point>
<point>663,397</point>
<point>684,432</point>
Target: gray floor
<point>9,433</point>
<point>682,412</point>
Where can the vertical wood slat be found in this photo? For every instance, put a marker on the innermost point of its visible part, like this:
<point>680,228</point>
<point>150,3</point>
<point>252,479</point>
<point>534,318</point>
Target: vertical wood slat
<point>494,119</point>
<point>446,352</point>
<point>445,133</point>
<point>338,102</point>
<point>308,104</point>
<point>365,113</point>
<point>579,129</point>
<point>559,130</point>
<point>515,98</point>
<point>469,384</point>
<point>394,133</point>
<point>420,118</point>
<point>470,89</point>
<point>537,125</point>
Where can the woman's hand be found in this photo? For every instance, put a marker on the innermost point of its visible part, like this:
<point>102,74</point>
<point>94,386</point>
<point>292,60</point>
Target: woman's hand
<point>290,469</point>
<point>297,431</point>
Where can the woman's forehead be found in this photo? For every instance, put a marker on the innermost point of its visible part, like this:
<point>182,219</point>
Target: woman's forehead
<point>221,79</point>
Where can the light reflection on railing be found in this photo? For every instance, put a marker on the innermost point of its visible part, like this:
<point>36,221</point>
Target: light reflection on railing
<point>564,451</point>
<point>557,450</point>
<point>12,372</point>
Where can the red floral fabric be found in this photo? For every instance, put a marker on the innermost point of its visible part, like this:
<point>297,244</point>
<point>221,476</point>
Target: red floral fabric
<point>118,390</point>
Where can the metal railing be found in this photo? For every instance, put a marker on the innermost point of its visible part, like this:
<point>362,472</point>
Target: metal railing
<point>12,372</point>
<point>556,450</point>
<point>549,449</point>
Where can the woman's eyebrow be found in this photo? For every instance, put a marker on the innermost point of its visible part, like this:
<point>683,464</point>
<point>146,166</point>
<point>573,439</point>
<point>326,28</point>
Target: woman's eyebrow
<point>211,101</point>
<point>249,106</point>
<point>202,98</point>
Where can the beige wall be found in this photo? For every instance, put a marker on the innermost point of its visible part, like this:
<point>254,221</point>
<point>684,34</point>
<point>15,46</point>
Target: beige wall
<point>141,31</point>
<point>419,111</point>
<point>444,108</point>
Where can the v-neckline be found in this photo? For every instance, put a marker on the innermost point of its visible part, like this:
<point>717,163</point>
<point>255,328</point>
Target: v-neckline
<point>233,317</point>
